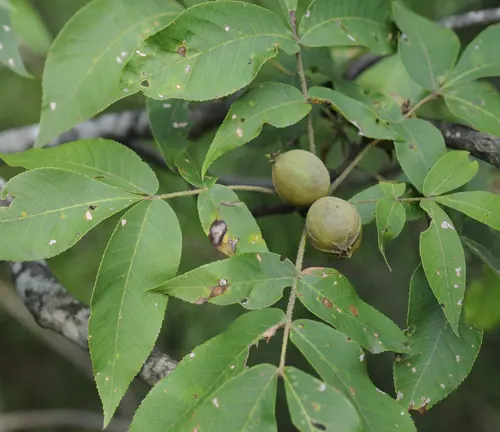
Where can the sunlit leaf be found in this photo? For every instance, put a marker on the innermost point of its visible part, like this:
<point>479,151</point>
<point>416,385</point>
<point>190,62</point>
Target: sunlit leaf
<point>9,51</point>
<point>83,68</point>
<point>477,103</point>
<point>228,223</point>
<point>360,115</point>
<point>198,378</point>
<point>421,146</point>
<point>100,159</point>
<point>366,210</point>
<point>427,49</point>
<point>347,23</point>
<point>340,363</point>
<point>144,252</point>
<point>444,262</point>
<point>169,122</point>
<point>315,405</point>
<point>479,205</point>
<point>209,51</point>
<point>52,210</point>
<point>452,170</point>
<point>439,360</point>
<point>480,59</point>
<point>277,104</point>
<point>391,217</point>
<point>330,296</point>
<point>256,280</point>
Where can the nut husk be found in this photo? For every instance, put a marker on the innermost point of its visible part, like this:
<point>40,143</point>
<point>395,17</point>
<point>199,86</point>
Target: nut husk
<point>300,177</point>
<point>334,226</point>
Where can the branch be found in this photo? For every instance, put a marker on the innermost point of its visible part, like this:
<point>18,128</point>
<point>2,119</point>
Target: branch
<point>481,145</point>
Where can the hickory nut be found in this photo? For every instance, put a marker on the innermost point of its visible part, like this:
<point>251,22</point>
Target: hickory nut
<point>300,177</point>
<point>334,226</point>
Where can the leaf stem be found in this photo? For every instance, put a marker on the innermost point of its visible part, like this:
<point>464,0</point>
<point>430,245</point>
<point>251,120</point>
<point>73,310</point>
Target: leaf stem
<point>303,83</point>
<point>336,183</point>
<point>260,189</point>
<point>420,103</point>
<point>291,301</point>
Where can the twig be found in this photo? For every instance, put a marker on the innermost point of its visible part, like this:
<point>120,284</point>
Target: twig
<point>303,84</point>
<point>291,301</point>
<point>199,191</point>
<point>74,419</point>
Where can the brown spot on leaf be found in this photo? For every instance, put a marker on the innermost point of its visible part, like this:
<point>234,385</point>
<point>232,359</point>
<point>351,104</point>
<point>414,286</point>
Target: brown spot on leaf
<point>182,51</point>
<point>145,83</point>
<point>327,303</point>
<point>312,270</point>
<point>230,203</point>
<point>353,310</point>
<point>271,331</point>
<point>352,390</point>
<point>201,300</point>
<point>316,406</point>
<point>406,106</point>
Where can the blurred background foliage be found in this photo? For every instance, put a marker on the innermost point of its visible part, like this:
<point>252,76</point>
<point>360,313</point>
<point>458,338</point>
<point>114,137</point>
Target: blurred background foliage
<point>34,376</point>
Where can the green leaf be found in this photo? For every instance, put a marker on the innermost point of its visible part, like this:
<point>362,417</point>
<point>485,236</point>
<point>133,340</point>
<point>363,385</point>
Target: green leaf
<point>315,405</point>
<point>367,210</point>
<point>254,280</point>
<point>82,71</point>
<point>444,262</point>
<point>484,254</point>
<point>52,210</point>
<point>413,210</point>
<point>391,219</point>
<point>347,23</point>
<point>228,411</point>
<point>201,374</point>
<point>339,362</point>
<point>169,122</point>
<point>427,49</point>
<point>282,8</point>
<point>439,360</point>
<point>330,296</point>
<point>100,159</point>
<point>392,189</point>
<point>143,252</point>
<point>452,170</point>
<point>479,205</point>
<point>477,103</point>
<point>228,223</point>
<point>209,51</point>
<point>480,59</point>
<point>30,27</point>
<point>277,104</point>
<point>360,115</point>
<point>420,146</point>
<point>482,299</point>
<point>9,51</point>
<point>190,170</point>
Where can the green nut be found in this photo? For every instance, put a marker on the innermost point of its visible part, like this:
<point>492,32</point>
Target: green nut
<point>300,177</point>
<point>334,226</point>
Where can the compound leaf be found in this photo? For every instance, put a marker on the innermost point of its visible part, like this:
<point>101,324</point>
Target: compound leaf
<point>199,377</point>
<point>209,51</point>
<point>331,297</point>
<point>83,68</point>
<point>143,252</point>
<point>315,405</point>
<point>443,261</point>
<point>427,49</point>
<point>100,159</point>
<point>52,210</point>
<point>439,360</point>
<point>347,23</point>
<point>256,280</point>
<point>340,363</point>
<point>277,104</point>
